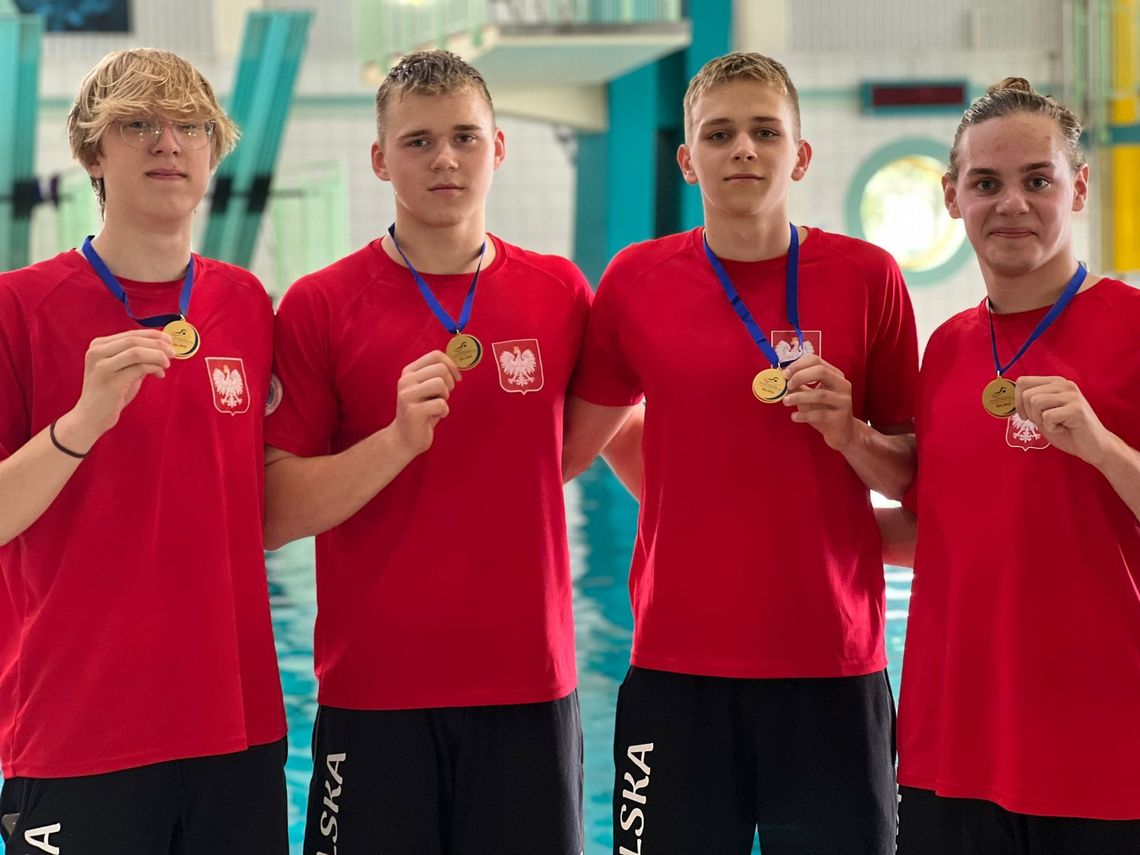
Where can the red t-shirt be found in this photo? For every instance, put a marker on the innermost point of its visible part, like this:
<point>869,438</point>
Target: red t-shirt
<point>140,627</point>
<point>1021,677</point>
<point>451,587</point>
<point>757,552</point>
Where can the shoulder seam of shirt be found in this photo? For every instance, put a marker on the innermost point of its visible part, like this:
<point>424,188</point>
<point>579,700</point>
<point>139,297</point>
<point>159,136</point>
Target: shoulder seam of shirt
<point>319,281</point>
<point>836,248</point>
<point>523,257</point>
<point>956,320</point>
<point>58,278</point>
<point>682,248</point>
<point>1111,298</point>
<point>232,272</point>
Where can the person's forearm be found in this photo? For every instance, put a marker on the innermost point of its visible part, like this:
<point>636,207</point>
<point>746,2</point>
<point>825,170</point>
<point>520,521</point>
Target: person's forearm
<point>310,495</point>
<point>1121,467</point>
<point>899,533</point>
<point>885,462</point>
<point>31,478</point>
<point>589,429</point>
<point>623,453</point>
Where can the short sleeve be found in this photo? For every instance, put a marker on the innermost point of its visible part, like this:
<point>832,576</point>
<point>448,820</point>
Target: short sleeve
<point>892,362</point>
<point>583,297</point>
<point>15,374</point>
<point>306,417</point>
<point>605,375</point>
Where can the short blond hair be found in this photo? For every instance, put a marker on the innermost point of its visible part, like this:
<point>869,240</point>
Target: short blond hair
<point>143,81</point>
<point>427,72</point>
<point>741,65</point>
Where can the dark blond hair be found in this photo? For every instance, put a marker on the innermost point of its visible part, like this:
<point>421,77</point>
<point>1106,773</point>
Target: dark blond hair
<point>1012,96</point>
<point>143,82</point>
<point>741,65</point>
<point>427,72</point>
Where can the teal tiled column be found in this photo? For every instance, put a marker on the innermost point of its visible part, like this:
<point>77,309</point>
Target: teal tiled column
<point>20,40</point>
<point>629,188</point>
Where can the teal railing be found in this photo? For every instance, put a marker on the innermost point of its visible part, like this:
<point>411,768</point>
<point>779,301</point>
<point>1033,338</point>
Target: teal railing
<point>76,209</point>
<point>308,213</point>
<point>385,29</point>
<point>586,12</point>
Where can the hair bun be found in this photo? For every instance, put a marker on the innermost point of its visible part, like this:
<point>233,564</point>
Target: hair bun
<point>1017,84</point>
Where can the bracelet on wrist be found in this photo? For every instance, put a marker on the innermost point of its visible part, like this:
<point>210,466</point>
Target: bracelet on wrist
<point>61,446</point>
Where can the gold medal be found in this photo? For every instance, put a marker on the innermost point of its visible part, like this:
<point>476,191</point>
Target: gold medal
<point>184,338</point>
<point>998,398</point>
<point>465,351</point>
<point>769,385</point>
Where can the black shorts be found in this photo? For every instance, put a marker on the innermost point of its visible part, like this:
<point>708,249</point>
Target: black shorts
<point>229,804</point>
<point>704,764</point>
<point>491,780</point>
<point>930,824</point>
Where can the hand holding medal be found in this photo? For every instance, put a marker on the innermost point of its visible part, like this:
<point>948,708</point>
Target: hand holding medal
<point>769,385</point>
<point>182,334</point>
<point>999,397</point>
<point>822,397</point>
<point>1064,416</point>
<point>421,400</point>
<point>113,371</point>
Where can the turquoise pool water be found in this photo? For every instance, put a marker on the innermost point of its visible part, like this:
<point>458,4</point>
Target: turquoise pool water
<point>602,519</point>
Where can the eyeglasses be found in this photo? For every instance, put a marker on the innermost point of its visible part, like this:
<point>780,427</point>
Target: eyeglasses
<point>144,133</point>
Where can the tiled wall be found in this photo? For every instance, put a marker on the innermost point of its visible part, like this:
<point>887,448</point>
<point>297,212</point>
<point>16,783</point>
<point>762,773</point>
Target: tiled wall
<point>872,26</point>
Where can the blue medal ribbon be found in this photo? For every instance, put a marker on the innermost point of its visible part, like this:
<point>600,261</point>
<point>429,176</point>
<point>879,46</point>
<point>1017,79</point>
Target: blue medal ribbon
<point>1042,325</point>
<point>449,323</point>
<point>119,294</point>
<point>791,280</point>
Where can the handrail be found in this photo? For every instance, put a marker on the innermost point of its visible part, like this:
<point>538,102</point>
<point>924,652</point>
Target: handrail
<point>385,29</point>
<point>546,12</point>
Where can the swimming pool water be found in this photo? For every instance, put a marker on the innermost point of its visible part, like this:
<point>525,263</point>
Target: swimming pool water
<point>602,518</point>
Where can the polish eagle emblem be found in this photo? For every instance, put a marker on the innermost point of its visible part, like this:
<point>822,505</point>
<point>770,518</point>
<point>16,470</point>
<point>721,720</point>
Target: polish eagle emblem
<point>228,383</point>
<point>790,351</point>
<point>520,365</point>
<point>1024,434</point>
<point>786,343</point>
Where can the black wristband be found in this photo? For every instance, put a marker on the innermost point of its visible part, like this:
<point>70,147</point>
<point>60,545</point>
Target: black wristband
<point>64,449</point>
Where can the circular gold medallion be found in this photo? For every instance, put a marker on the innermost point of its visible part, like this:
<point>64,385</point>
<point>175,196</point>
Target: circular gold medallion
<point>769,385</point>
<point>183,337</point>
<point>998,399</point>
<point>465,351</point>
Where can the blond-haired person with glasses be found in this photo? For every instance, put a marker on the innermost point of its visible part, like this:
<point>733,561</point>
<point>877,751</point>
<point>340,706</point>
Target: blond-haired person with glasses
<point>140,703</point>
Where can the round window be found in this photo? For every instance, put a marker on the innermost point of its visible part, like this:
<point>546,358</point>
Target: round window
<point>896,202</point>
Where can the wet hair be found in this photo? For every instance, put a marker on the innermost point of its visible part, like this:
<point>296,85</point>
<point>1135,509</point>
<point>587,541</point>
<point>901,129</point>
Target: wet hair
<point>1010,97</point>
<point>427,72</point>
<point>143,82</point>
<point>741,65</point>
